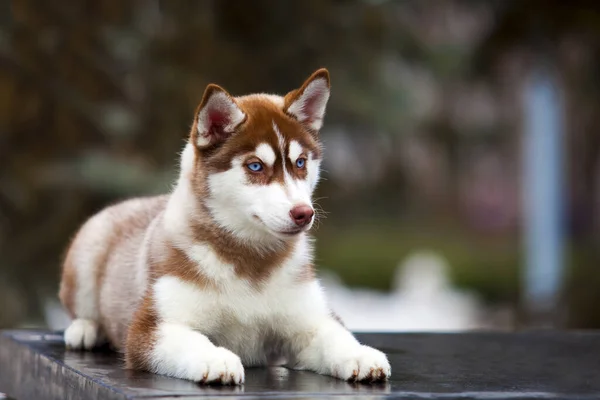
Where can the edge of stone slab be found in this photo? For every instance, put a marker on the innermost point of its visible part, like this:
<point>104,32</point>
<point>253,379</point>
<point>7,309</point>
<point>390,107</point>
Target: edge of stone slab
<point>27,374</point>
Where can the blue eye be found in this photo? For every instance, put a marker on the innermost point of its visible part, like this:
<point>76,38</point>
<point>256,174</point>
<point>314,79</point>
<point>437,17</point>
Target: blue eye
<point>300,162</point>
<point>255,167</point>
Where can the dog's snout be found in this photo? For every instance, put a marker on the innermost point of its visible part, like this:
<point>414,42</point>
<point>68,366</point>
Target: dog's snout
<point>302,214</point>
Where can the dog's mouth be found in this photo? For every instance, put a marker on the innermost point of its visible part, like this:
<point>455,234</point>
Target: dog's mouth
<point>291,232</point>
<point>287,233</point>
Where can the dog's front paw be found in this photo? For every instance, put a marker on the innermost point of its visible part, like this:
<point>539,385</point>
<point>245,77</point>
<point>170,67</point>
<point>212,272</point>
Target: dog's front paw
<point>366,364</point>
<point>221,367</point>
<point>81,334</point>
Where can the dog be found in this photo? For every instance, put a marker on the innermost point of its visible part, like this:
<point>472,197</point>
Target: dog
<point>218,275</point>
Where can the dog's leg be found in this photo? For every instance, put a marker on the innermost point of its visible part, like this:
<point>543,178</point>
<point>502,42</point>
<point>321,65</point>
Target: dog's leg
<point>330,349</point>
<point>178,351</point>
<point>79,294</point>
<point>82,334</point>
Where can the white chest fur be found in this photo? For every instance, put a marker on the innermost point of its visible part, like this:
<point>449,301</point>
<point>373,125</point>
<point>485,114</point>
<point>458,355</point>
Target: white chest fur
<point>249,319</point>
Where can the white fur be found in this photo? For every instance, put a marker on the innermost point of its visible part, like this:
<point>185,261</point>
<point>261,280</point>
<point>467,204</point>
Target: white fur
<point>212,266</point>
<point>184,353</point>
<point>182,202</point>
<point>295,151</point>
<point>284,316</point>
<point>312,172</point>
<point>218,102</point>
<point>260,213</point>
<point>334,351</point>
<point>242,317</point>
<point>81,334</point>
<point>207,310</point>
<point>280,140</point>
<point>231,205</point>
<point>141,272</point>
<point>236,204</point>
<point>186,164</point>
<point>316,94</point>
<point>87,258</point>
<point>266,154</point>
<point>312,169</point>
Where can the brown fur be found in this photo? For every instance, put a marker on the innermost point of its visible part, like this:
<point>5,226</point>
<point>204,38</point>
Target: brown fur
<point>256,130</point>
<point>120,281</point>
<point>307,274</point>
<point>167,259</point>
<point>141,336</point>
<point>249,262</point>
<point>124,225</point>
<point>68,284</point>
<point>337,318</point>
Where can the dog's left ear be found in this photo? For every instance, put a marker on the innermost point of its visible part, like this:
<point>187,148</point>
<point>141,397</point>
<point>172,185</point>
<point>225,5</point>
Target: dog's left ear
<point>217,117</point>
<point>308,103</point>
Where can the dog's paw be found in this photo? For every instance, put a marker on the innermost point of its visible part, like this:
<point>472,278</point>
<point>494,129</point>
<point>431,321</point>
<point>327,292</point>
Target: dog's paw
<point>81,334</point>
<point>365,365</point>
<point>222,367</point>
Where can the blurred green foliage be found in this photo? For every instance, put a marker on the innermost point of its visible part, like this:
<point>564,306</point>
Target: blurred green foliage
<point>370,257</point>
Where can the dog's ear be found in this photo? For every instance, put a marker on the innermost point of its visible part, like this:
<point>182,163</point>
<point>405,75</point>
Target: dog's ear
<point>217,117</point>
<point>308,103</point>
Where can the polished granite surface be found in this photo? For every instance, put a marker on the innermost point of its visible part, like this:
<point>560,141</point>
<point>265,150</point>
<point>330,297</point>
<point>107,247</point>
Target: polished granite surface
<point>467,365</point>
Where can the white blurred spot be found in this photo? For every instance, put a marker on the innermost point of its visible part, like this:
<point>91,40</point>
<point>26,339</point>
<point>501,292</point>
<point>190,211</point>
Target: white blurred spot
<point>422,299</point>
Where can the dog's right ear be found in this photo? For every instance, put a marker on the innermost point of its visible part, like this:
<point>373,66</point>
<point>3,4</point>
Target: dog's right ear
<point>308,103</point>
<point>217,117</point>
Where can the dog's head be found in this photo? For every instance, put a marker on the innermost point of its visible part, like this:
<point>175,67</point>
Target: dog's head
<point>256,158</point>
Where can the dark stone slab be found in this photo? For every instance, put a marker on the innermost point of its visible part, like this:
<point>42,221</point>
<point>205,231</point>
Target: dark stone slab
<point>529,365</point>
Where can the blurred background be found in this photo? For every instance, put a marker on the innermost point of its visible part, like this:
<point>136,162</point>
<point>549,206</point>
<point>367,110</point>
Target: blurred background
<point>462,143</point>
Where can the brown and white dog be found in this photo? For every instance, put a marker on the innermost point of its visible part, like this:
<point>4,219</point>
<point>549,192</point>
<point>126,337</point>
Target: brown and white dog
<point>218,275</point>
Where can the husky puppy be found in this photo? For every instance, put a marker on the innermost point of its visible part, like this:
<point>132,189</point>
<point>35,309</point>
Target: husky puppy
<point>218,274</point>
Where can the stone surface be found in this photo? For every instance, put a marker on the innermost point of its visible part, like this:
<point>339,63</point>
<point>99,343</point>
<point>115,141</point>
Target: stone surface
<point>562,365</point>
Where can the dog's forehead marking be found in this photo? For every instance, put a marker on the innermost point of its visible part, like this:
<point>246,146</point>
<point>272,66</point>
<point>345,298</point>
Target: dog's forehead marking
<point>295,150</point>
<point>280,140</point>
<point>266,153</point>
<point>287,179</point>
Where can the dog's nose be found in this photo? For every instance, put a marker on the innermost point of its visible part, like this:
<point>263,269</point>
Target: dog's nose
<point>302,214</point>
